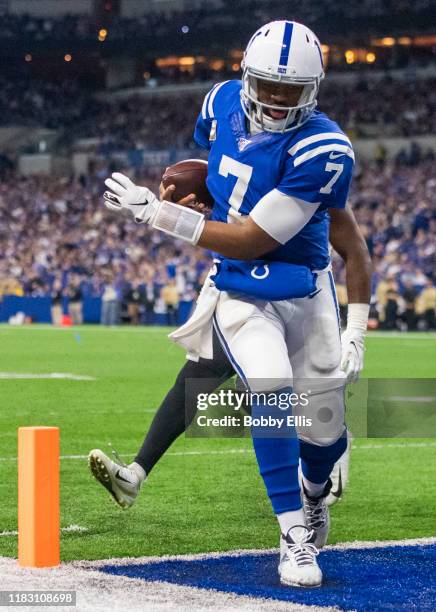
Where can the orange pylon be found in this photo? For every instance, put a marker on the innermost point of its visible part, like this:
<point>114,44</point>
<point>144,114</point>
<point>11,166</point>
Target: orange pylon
<point>38,497</point>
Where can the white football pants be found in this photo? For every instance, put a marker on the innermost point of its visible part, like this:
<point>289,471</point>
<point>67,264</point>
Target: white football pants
<point>274,345</point>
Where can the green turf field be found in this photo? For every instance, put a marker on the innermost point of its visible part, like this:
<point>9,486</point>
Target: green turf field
<point>203,496</point>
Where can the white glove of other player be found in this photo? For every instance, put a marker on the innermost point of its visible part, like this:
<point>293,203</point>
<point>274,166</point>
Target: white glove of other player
<point>353,339</point>
<point>126,197</point>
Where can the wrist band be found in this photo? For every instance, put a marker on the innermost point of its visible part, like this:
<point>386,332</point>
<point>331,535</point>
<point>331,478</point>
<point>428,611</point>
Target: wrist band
<point>357,317</point>
<point>178,221</point>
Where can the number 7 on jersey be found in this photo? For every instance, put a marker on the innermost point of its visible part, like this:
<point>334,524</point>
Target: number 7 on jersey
<point>337,169</point>
<point>243,173</point>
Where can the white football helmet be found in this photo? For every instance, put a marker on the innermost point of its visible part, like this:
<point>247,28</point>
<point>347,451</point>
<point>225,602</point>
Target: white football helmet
<point>285,52</point>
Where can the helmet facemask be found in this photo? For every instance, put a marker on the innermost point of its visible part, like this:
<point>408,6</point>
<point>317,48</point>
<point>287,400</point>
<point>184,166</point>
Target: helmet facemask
<point>257,111</point>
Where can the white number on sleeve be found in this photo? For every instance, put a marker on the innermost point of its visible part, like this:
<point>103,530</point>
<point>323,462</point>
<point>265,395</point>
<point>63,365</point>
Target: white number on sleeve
<point>243,174</point>
<point>337,169</point>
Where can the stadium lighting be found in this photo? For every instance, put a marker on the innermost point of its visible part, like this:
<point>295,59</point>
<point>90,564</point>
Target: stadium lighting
<point>425,41</point>
<point>325,53</point>
<point>236,54</point>
<point>164,62</point>
<point>68,57</point>
<point>350,56</point>
<point>185,29</point>
<point>217,64</point>
<point>370,58</point>
<point>187,61</point>
<point>387,41</point>
<point>28,57</point>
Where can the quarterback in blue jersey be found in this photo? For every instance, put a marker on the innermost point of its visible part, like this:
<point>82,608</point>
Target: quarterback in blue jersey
<point>276,169</point>
<point>245,168</point>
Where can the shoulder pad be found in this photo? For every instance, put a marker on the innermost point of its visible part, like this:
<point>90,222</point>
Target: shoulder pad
<point>318,144</point>
<point>220,96</point>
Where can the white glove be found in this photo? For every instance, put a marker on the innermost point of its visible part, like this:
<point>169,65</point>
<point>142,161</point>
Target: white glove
<point>353,339</point>
<point>173,219</point>
<point>126,197</point>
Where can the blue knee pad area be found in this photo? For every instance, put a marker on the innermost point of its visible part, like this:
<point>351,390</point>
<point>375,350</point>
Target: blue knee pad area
<point>317,461</point>
<point>366,579</point>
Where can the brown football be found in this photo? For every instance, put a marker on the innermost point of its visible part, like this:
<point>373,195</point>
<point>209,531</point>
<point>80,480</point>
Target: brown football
<point>189,176</point>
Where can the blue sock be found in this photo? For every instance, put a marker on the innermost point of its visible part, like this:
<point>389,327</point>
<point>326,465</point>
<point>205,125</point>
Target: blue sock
<point>317,461</point>
<point>277,454</point>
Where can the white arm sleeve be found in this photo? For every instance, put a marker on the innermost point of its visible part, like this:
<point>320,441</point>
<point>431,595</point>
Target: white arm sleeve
<point>282,216</point>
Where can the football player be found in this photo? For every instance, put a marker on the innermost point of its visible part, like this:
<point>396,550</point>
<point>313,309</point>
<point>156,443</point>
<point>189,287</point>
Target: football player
<point>179,407</point>
<point>286,168</point>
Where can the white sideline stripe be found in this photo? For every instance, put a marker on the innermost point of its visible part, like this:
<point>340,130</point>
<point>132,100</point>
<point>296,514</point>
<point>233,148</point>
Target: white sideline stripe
<point>230,451</point>
<point>381,544</point>
<point>69,529</point>
<point>99,329</point>
<point>157,329</point>
<point>399,445</point>
<point>50,376</point>
<point>100,592</point>
<point>356,545</point>
<point>237,451</point>
<point>410,336</point>
<point>413,398</point>
<point>316,138</point>
<point>346,150</point>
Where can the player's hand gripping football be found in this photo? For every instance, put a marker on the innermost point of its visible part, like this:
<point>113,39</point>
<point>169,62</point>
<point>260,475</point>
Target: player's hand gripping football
<point>129,199</point>
<point>190,201</point>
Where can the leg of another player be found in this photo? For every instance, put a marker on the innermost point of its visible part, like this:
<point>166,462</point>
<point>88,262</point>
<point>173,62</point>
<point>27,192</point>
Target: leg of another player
<point>171,419</point>
<point>176,412</point>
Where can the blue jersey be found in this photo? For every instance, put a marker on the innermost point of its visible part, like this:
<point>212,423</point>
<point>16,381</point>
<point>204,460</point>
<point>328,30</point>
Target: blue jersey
<point>313,163</point>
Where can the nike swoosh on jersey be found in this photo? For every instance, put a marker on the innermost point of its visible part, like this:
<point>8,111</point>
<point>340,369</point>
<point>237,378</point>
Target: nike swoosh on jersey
<point>335,155</point>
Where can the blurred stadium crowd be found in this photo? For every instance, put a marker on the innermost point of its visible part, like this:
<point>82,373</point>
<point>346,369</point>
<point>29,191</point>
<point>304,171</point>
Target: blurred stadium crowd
<point>215,18</point>
<point>57,239</point>
<point>363,107</point>
<point>395,203</point>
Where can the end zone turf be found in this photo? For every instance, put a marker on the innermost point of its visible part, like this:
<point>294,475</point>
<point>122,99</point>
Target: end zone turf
<point>372,576</point>
<point>185,506</point>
